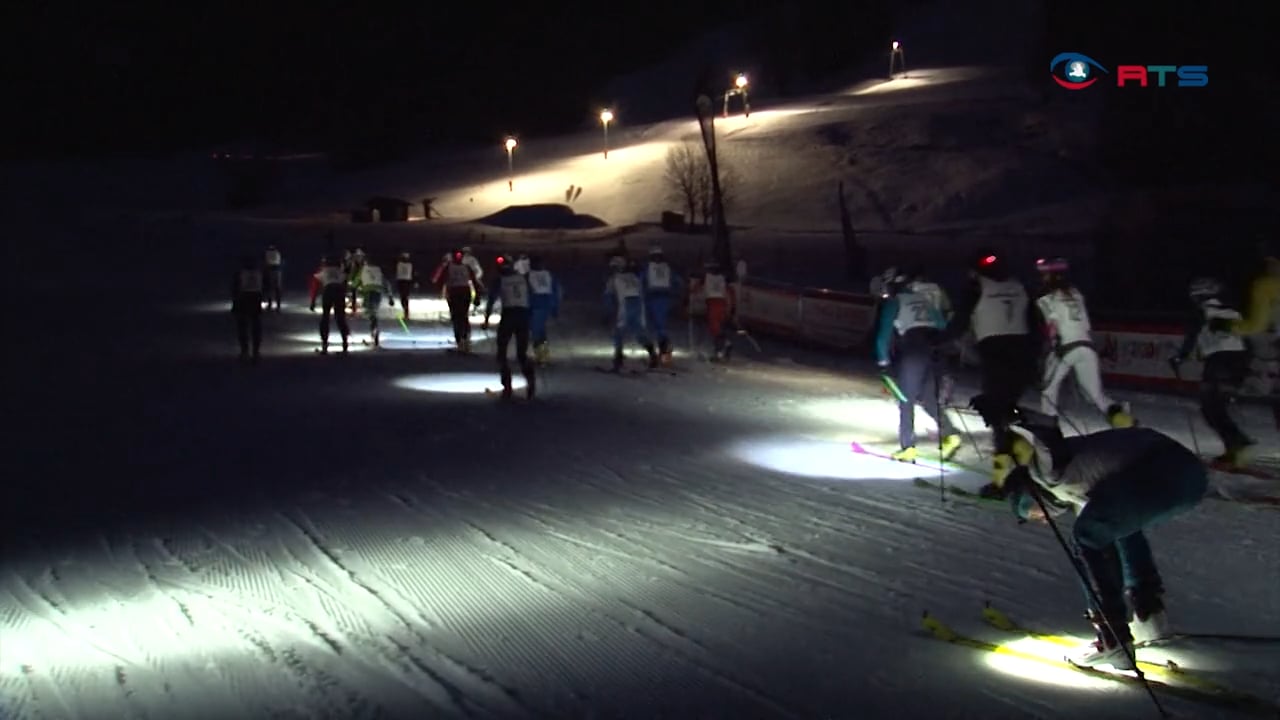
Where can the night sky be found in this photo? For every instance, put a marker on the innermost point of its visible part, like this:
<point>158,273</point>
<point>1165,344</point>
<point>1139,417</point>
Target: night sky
<point>106,77</point>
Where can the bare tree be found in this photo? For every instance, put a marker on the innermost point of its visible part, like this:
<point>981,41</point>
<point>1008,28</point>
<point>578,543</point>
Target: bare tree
<point>686,165</point>
<point>728,187</point>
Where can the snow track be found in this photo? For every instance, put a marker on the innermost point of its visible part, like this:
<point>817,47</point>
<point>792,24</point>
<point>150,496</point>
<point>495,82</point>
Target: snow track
<point>318,541</point>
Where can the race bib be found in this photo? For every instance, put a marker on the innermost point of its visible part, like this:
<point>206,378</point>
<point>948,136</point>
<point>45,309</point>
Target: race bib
<point>459,275</point>
<point>330,276</point>
<point>273,257</point>
<point>627,285</point>
<point>371,275</point>
<point>540,280</point>
<point>713,286</point>
<point>515,291</point>
<point>250,281</point>
<point>659,276</point>
<point>914,311</point>
<point>404,271</point>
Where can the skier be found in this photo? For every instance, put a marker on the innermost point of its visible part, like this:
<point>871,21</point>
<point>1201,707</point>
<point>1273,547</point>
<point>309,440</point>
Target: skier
<point>358,261</point>
<point>720,302</point>
<point>512,288</point>
<point>1225,365</point>
<point>659,283</point>
<point>624,298</point>
<point>1119,482</point>
<point>916,311</point>
<point>246,305</point>
<point>460,284</point>
<point>1262,312</point>
<point>333,299</point>
<point>274,276</point>
<point>470,260</point>
<point>404,281</point>
<point>544,303</point>
<point>999,313</point>
<point>1066,324</point>
<point>373,287</point>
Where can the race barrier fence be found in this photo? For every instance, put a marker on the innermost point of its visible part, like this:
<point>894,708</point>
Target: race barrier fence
<point>1132,353</point>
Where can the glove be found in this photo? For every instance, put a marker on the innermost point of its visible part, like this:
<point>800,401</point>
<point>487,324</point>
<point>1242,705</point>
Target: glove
<point>391,302</point>
<point>882,364</point>
<point>1219,325</point>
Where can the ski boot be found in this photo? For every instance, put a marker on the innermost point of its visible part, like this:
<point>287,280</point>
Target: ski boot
<point>950,446</point>
<point>1150,622</point>
<point>530,382</point>
<point>377,338</point>
<point>1106,649</point>
<point>344,344</point>
<point>1118,416</point>
<point>1001,464</point>
<point>907,454</point>
<point>617,361</point>
<point>653,356</point>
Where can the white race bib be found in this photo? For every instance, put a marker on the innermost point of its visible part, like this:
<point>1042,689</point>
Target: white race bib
<point>915,310</point>
<point>1002,309</point>
<point>331,276</point>
<point>515,291</point>
<point>371,275</point>
<point>540,281</point>
<point>404,270</point>
<point>459,275</point>
<point>273,257</point>
<point>626,285</point>
<point>713,286</point>
<point>1065,312</point>
<point>250,281</point>
<point>659,276</point>
<point>1211,342</point>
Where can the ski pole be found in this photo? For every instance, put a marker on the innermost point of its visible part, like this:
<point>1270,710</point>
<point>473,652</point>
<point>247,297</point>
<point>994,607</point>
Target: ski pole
<point>1191,423</point>
<point>893,388</point>
<point>1095,598</point>
<point>937,396</point>
<point>403,324</point>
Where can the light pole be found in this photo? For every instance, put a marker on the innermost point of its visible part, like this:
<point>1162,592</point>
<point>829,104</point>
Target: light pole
<point>739,88</point>
<point>605,117</point>
<point>896,56</point>
<point>511,166</point>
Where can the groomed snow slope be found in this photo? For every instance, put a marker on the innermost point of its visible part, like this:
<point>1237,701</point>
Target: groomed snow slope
<point>324,537</point>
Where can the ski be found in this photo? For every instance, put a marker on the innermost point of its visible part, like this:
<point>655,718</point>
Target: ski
<point>457,351</point>
<point>931,484</point>
<point>1252,471</point>
<point>1227,698</point>
<point>1168,669</point>
<point>927,463</point>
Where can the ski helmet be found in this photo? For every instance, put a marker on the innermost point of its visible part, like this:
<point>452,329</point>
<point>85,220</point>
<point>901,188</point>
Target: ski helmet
<point>1052,265</point>
<point>404,255</point>
<point>891,281</point>
<point>617,262</point>
<point>1203,288</point>
<point>655,251</point>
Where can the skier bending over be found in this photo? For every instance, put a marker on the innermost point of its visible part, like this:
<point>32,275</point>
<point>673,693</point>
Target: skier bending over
<point>1119,482</point>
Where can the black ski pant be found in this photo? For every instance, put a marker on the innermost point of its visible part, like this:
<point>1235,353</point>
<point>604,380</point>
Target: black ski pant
<point>274,278</point>
<point>919,378</point>
<point>404,287</point>
<point>1008,371</point>
<point>459,299</point>
<point>1224,373</point>
<point>333,302</point>
<point>248,311</point>
<point>514,324</point>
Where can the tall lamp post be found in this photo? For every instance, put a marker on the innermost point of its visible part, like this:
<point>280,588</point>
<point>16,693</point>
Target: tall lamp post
<point>606,116</point>
<point>739,88</point>
<point>896,58</point>
<point>511,165</point>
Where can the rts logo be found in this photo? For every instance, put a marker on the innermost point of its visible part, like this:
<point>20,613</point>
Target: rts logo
<point>1074,71</point>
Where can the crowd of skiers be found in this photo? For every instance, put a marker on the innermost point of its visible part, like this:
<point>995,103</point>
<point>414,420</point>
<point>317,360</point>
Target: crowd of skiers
<point>1118,481</point>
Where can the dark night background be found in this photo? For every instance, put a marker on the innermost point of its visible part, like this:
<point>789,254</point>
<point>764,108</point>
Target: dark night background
<point>373,79</point>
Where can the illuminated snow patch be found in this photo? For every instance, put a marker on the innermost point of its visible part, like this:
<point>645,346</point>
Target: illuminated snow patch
<point>417,340</point>
<point>823,459</point>
<point>457,383</point>
<point>1007,660</point>
<point>312,339</point>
